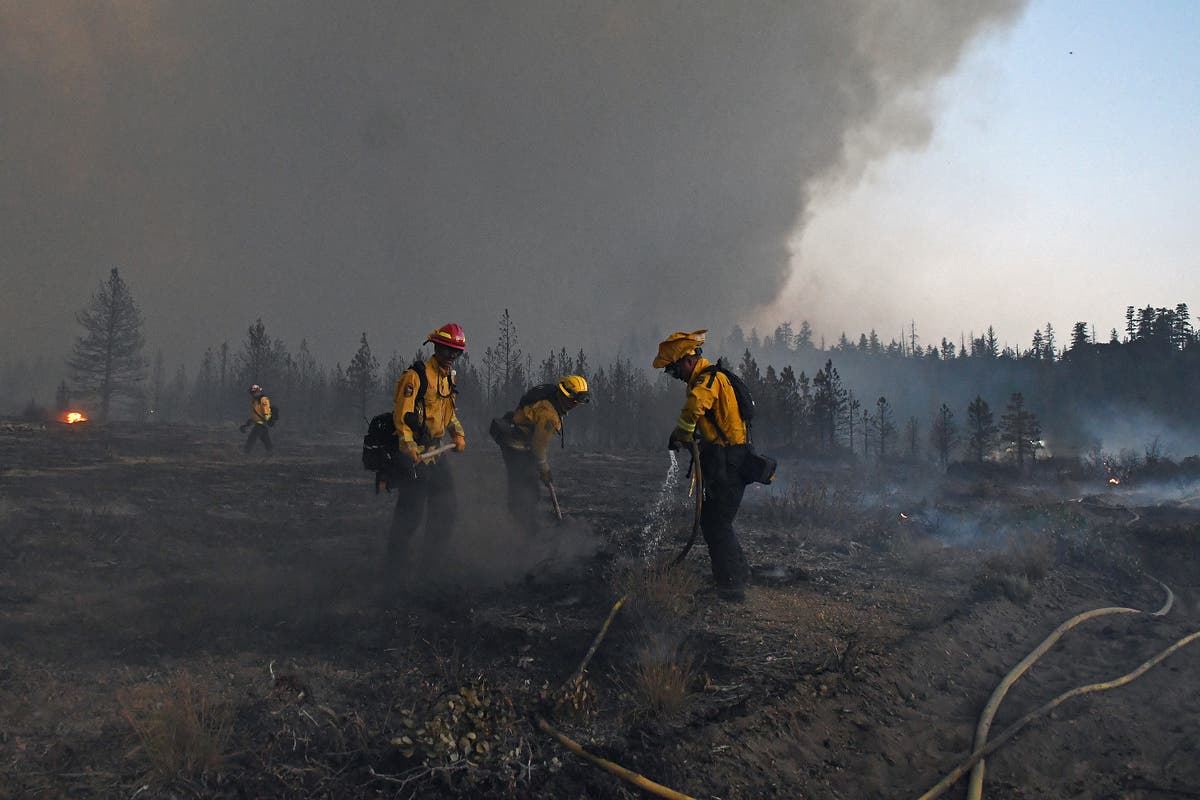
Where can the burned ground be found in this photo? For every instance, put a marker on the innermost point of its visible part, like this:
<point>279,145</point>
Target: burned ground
<point>179,620</point>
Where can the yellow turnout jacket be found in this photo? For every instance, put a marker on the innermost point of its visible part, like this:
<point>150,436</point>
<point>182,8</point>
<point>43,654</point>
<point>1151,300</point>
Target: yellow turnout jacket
<point>439,410</point>
<point>710,397</point>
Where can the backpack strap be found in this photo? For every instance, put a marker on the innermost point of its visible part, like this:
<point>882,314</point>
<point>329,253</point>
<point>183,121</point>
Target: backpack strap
<point>712,377</point>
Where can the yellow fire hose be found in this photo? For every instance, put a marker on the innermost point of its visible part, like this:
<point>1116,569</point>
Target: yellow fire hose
<point>975,786</point>
<point>1012,730</point>
<point>982,748</point>
<point>616,769</point>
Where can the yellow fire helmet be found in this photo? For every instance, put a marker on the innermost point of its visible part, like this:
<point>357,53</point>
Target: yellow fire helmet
<point>678,345</point>
<point>575,388</point>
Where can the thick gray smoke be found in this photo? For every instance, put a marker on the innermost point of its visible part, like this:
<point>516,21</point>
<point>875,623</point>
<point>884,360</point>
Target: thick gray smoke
<point>595,167</point>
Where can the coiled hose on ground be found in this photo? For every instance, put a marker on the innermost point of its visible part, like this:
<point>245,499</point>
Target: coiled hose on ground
<point>983,748</point>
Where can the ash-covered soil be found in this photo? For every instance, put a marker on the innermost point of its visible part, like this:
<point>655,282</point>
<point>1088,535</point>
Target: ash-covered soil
<point>180,620</point>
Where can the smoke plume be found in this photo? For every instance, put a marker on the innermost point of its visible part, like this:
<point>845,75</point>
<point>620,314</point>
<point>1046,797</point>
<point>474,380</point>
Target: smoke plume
<point>597,168</point>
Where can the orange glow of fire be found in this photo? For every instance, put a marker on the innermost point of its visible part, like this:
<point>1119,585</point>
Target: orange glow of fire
<point>903,515</point>
<point>1114,481</point>
<point>75,416</point>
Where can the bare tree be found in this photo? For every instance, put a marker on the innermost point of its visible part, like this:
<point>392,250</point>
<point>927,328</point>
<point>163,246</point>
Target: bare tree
<point>943,435</point>
<point>107,361</point>
<point>885,426</point>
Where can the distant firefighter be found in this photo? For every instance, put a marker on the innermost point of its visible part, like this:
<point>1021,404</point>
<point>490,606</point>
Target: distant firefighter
<point>524,436</point>
<point>260,420</point>
<point>423,413</point>
<point>711,417</point>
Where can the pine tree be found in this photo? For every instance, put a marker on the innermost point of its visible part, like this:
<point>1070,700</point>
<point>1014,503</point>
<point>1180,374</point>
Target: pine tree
<point>107,361</point>
<point>982,428</point>
<point>1020,429</point>
<point>362,377</point>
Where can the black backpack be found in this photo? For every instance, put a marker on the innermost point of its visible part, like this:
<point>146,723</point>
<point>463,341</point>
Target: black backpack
<point>755,468</point>
<point>745,400</point>
<point>381,445</point>
<point>507,434</point>
<point>274,415</point>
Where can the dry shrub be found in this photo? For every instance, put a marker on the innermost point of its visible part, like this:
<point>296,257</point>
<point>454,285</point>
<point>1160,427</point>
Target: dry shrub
<point>808,505</point>
<point>661,592</point>
<point>1012,573</point>
<point>181,727</point>
<point>922,556</point>
<point>660,681</point>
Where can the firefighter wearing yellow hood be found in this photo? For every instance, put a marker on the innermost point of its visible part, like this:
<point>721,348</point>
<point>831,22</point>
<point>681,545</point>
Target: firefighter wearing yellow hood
<point>710,417</point>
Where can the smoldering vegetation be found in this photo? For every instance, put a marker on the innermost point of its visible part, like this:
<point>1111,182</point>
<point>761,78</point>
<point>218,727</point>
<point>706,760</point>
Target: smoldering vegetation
<point>193,621</point>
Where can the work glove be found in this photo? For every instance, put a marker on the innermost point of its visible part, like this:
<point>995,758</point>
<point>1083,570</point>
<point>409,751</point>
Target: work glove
<point>411,449</point>
<point>544,473</point>
<point>460,443</point>
<point>242,427</point>
<point>679,438</point>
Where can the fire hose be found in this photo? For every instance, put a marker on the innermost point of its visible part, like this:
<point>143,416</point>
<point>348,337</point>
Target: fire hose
<point>984,748</point>
<point>624,774</point>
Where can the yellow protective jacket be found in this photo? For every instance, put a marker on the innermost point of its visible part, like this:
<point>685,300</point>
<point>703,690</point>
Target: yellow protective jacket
<point>260,409</point>
<point>538,422</point>
<point>710,397</point>
<point>439,413</point>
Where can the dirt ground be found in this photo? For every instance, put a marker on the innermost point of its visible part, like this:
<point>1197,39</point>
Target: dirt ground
<point>180,620</point>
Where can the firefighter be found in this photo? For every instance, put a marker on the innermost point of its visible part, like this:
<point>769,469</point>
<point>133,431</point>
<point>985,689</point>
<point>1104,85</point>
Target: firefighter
<point>711,417</point>
<point>260,420</point>
<point>524,436</point>
<point>424,413</point>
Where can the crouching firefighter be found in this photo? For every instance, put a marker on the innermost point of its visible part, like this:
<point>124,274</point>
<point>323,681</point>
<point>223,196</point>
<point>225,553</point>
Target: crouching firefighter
<point>424,413</point>
<point>711,417</point>
<point>524,435</point>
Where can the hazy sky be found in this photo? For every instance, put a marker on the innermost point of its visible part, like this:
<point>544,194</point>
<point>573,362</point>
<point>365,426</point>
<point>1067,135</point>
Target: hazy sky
<point>1062,183</point>
<point>599,168</point>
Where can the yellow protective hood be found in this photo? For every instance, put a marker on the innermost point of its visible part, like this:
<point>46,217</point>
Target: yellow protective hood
<point>678,345</point>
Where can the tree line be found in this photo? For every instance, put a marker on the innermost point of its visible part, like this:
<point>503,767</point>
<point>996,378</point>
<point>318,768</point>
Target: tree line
<point>902,401</point>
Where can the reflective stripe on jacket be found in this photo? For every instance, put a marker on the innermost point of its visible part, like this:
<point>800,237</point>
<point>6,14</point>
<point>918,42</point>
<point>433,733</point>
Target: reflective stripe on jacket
<point>440,414</point>
<point>710,397</point>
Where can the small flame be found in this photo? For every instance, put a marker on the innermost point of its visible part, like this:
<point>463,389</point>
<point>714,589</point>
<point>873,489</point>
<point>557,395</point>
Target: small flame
<point>1114,481</point>
<point>75,416</point>
<point>903,515</point>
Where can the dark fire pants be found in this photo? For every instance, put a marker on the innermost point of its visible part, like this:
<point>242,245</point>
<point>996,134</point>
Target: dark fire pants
<point>428,496</point>
<point>723,490</point>
<point>523,491</point>
<point>258,432</point>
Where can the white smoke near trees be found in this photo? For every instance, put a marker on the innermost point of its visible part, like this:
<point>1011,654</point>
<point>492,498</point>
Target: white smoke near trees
<point>333,167</point>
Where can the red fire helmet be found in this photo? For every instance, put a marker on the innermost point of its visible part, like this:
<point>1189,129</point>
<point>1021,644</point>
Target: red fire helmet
<point>449,335</point>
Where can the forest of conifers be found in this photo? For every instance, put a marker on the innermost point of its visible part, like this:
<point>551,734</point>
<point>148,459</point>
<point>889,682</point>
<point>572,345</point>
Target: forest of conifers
<point>899,400</point>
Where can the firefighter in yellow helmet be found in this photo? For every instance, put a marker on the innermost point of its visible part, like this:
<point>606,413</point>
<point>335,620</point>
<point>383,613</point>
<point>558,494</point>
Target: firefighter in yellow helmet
<point>524,435</point>
<point>424,414</point>
<point>260,419</point>
<point>710,416</point>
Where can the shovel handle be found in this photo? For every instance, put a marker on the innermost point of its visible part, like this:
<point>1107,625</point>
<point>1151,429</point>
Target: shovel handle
<point>436,452</point>
<point>554,497</point>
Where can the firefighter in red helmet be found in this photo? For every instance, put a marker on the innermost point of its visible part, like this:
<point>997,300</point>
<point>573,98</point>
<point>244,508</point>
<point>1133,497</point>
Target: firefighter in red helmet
<point>424,414</point>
